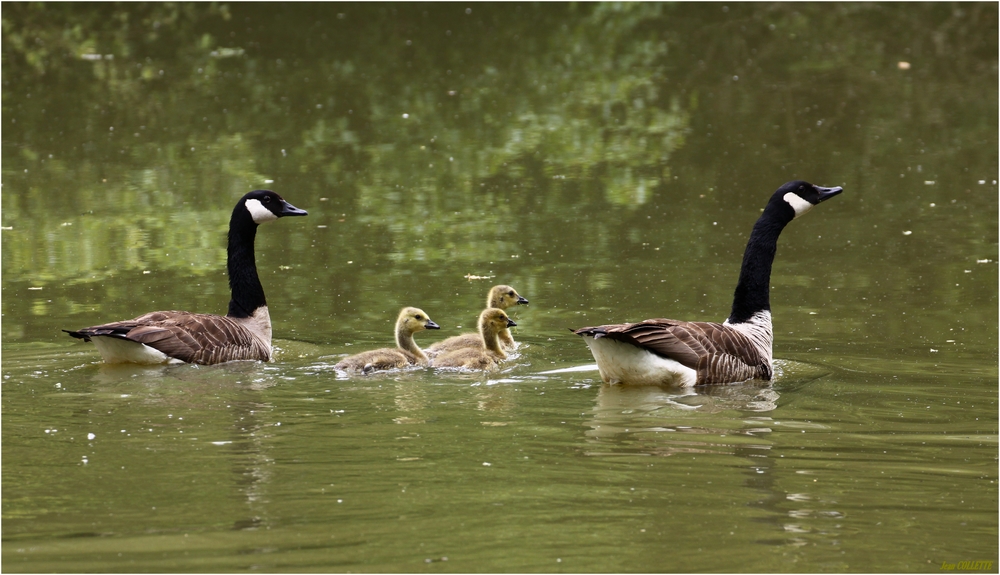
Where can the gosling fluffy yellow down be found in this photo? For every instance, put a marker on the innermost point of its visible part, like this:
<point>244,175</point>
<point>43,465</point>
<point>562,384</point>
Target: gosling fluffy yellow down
<point>406,353</point>
<point>500,297</point>
<point>487,354</point>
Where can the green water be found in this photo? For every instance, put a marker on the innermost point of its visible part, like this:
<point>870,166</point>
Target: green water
<point>608,161</point>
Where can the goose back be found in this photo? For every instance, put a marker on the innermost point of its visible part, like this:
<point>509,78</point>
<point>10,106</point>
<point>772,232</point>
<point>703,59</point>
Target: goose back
<point>183,336</point>
<point>691,351</point>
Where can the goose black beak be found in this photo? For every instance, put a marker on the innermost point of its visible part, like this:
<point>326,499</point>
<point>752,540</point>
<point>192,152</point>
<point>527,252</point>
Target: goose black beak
<point>827,193</point>
<point>290,210</point>
<point>510,323</point>
<point>521,301</point>
<point>431,325</point>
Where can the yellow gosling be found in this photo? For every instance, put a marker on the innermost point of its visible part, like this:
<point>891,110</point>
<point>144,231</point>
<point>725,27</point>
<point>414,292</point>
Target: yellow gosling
<point>410,321</point>
<point>483,356</point>
<point>500,297</point>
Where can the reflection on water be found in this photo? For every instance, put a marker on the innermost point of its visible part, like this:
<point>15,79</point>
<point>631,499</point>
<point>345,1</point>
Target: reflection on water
<point>662,421</point>
<point>411,401</point>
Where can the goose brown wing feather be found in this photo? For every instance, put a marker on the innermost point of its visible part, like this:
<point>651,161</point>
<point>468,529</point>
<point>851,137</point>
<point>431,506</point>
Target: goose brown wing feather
<point>122,329</point>
<point>730,354</point>
<point>713,350</point>
<point>189,337</point>
<point>659,336</point>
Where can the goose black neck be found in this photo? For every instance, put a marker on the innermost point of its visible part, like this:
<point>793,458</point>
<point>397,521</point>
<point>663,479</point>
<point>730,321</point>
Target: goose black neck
<point>753,292</point>
<point>247,293</point>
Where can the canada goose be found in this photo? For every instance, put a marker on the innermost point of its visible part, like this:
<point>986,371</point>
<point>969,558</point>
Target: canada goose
<point>500,297</point>
<point>410,321</point>
<point>180,336</point>
<point>484,355</point>
<point>670,352</point>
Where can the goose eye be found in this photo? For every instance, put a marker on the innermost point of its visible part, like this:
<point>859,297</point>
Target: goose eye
<point>511,294</point>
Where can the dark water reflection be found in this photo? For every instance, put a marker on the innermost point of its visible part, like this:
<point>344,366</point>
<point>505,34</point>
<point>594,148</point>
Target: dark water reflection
<point>607,161</point>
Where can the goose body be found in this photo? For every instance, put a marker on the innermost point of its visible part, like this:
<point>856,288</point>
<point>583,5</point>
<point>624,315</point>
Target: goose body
<point>687,353</point>
<point>500,297</point>
<point>487,352</point>
<point>406,352</point>
<point>180,336</point>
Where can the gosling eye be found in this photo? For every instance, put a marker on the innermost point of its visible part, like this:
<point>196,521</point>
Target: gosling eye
<point>511,294</point>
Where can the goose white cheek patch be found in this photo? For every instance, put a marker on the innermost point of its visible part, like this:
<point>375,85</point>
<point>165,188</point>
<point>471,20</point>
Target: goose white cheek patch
<point>258,212</point>
<point>798,204</point>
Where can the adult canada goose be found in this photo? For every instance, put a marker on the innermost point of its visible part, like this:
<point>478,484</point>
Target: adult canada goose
<point>500,297</point>
<point>410,321</point>
<point>685,353</point>
<point>180,336</point>
<point>487,352</point>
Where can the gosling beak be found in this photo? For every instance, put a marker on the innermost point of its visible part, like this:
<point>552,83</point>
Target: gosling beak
<point>827,193</point>
<point>290,210</point>
<point>510,323</point>
<point>431,325</point>
<point>521,300</point>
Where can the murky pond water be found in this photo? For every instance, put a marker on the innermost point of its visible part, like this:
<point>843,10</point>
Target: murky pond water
<point>608,161</point>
